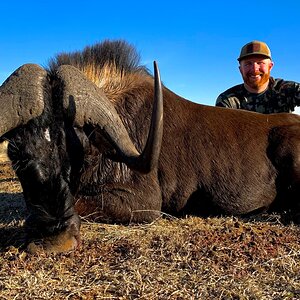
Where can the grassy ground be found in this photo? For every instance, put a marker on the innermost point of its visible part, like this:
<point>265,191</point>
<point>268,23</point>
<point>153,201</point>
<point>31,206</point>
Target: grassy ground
<point>190,258</point>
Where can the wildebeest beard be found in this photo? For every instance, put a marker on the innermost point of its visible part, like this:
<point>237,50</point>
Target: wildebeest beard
<point>95,168</point>
<point>100,172</point>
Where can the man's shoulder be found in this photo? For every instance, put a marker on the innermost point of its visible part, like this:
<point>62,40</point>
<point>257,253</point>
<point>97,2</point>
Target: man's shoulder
<point>230,97</point>
<point>279,84</point>
<point>232,92</point>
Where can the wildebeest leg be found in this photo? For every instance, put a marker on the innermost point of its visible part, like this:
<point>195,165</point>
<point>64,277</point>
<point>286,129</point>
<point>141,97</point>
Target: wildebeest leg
<point>120,203</point>
<point>284,151</point>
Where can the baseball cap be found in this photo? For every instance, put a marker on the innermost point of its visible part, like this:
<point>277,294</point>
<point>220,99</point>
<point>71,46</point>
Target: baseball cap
<point>255,48</point>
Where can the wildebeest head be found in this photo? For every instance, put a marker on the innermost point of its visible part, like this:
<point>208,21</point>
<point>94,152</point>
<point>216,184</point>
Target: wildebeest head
<point>38,116</point>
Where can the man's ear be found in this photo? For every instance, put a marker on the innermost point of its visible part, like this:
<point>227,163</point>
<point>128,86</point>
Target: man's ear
<point>240,69</point>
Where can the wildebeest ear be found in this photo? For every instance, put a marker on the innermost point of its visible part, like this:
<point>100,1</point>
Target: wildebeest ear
<point>22,96</point>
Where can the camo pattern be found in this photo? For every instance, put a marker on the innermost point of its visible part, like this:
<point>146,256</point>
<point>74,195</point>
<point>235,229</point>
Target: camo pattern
<point>281,96</point>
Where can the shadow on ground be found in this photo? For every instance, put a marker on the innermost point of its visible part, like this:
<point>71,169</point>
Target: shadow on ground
<point>12,215</point>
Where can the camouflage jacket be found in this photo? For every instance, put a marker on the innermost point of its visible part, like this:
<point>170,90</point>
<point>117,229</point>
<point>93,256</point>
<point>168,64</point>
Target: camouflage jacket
<point>281,96</point>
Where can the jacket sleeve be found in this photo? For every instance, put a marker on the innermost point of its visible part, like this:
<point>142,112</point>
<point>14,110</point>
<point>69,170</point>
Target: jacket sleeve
<point>297,94</point>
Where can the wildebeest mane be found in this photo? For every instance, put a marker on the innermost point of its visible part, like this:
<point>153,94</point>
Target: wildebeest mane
<point>112,65</point>
<point>123,55</point>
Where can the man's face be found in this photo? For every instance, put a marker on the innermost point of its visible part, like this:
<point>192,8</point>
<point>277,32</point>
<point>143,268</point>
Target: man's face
<point>255,71</point>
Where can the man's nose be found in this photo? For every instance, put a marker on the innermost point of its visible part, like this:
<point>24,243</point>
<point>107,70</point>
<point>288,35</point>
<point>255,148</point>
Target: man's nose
<point>255,66</point>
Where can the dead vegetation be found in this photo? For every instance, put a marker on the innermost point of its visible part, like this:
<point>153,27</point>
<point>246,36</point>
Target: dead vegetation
<point>191,258</point>
<point>3,151</point>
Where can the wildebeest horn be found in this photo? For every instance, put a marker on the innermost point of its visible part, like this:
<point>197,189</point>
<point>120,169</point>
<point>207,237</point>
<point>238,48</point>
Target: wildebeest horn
<point>22,96</point>
<point>150,155</point>
<point>87,104</point>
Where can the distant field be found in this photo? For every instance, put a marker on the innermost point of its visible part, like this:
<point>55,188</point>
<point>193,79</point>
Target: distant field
<point>189,258</point>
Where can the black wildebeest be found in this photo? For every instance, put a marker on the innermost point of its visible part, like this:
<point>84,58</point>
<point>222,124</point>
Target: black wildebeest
<point>76,131</point>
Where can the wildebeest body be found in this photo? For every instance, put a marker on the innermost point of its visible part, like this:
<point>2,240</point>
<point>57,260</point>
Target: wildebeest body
<point>212,160</point>
<point>77,158</point>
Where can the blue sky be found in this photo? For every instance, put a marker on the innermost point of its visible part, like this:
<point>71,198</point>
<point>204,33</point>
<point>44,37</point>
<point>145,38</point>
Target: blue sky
<point>196,43</point>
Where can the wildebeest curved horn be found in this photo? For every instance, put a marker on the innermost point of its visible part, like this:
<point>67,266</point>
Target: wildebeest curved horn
<point>150,155</point>
<point>22,96</point>
<point>87,104</point>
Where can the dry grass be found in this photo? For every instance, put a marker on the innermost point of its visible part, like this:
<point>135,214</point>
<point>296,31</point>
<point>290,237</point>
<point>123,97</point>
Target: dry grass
<point>192,258</point>
<point>3,151</point>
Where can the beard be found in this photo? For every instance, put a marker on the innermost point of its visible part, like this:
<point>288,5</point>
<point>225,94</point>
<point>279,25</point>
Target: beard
<point>256,83</point>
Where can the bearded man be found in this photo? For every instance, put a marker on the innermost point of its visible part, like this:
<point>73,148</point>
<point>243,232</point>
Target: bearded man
<point>260,92</point>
